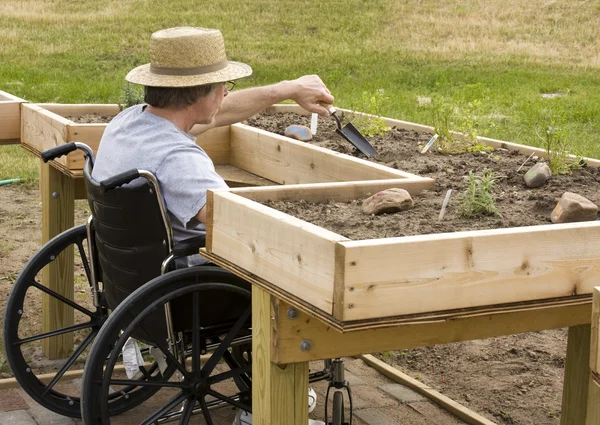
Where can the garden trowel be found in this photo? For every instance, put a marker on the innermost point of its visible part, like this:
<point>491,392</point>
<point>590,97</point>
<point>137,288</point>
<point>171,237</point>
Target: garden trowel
<point>351,134</point>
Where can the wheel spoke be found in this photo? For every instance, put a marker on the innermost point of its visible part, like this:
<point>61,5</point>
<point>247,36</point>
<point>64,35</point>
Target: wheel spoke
<point>63,299</point>
<point>163,347</point>
<point>205,411</point>
<point>214,359</point>
<point>57,332</point>
<point>84,261</point>
<point>226,399</point>
<point>88,339</point>
<point>165,409</point>
<point>187,412</point>
<point>230,374</point>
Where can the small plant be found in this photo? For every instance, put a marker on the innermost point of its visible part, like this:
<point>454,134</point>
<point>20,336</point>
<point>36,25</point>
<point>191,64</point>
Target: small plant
<point>371,104</point>
<point>557,149</point>
<point>477,199</point>
<point>131,95</point>
<point>445,117</point>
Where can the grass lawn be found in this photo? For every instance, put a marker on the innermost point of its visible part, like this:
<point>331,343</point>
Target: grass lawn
<point>509,69</point>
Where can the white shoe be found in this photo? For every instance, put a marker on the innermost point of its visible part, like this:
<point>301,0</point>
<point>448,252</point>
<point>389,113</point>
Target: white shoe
<point>245,418</point>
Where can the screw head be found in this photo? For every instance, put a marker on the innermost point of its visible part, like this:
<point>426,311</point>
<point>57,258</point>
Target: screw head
<point>20,312</point>
<point>305,345</point>
<point>292,313</point>
<point>55,195</point>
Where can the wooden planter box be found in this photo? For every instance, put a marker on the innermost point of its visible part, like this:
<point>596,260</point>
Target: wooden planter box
<point>243,155</point>
<point>356,284</point>
<point>10,118</point>
<point>347,282</point>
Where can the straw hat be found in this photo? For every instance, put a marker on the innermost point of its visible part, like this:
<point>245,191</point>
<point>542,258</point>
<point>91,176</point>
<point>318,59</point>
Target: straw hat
<point>186,57</point>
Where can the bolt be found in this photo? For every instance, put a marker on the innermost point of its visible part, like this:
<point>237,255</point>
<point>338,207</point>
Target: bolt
<point>305,345</point>
<point>71,402</point>
<point>55,195</point>
<point>52,257</point>
<point>292,313</point>
<point>28,370</point>
<point>20,312</point>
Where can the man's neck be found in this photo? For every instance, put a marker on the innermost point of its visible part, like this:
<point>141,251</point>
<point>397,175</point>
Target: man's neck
<point>181,117</point>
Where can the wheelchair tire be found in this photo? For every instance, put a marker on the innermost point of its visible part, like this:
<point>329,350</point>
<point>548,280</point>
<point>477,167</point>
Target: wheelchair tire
<point>197,286</point>
<point>22,341</point>
<point>338,408</point>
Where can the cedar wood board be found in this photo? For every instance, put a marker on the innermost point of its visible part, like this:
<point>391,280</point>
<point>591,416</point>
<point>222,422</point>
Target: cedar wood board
<point>404,276</point>
<point>10,118</point>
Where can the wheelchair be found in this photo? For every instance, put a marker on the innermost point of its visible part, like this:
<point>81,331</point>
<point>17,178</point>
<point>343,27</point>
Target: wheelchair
<point>165,342</point>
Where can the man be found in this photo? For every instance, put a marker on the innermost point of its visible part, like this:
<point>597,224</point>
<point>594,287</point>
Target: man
<point>186,86</point>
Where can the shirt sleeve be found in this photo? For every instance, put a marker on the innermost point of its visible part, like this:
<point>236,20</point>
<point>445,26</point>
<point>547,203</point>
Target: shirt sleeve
<point>184,176</point>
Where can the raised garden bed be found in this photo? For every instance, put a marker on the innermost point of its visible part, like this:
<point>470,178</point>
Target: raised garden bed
<point>10,118</point>
<point>450,272</point>
<point>243,155</point>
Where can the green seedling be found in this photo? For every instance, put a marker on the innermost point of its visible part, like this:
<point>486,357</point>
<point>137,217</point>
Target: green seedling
<point>557,149</point>
<point>371,104</point>
<point>477,199</point>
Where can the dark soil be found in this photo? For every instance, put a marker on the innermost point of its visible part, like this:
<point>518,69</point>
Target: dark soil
<point>400,149</point>
<point>515,379</point>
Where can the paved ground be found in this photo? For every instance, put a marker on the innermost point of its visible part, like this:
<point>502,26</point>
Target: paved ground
<point>377,401</point>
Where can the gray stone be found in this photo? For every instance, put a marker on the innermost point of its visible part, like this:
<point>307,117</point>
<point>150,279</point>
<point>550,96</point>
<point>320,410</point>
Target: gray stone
<point>352,379</point>
<point>572,207</point>
<point>298,132</point>
<point>402,393</point>
<point>375,417</point>
<point>16,417</point>
<point>387,201</point>
<point>537,175</point>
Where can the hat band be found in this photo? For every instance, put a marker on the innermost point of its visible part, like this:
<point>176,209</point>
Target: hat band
<point>161,70</point>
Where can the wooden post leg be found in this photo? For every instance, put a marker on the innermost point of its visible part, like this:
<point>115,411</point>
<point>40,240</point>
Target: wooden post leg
<point>577,374</point>
<point>593,397</point>
<point>57,192</point>
<point>279,392</point>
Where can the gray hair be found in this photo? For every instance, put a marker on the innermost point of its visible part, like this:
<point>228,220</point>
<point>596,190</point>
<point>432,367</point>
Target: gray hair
<point>176,97</point>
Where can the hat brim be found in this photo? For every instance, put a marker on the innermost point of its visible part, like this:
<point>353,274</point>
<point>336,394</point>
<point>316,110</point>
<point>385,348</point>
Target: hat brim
<point>142,75</point>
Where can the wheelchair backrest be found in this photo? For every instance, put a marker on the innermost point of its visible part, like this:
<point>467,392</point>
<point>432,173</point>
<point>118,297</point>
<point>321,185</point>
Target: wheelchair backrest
<point>131,240</point>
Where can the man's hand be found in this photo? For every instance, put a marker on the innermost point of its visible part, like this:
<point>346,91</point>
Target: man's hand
<point>311,93</point>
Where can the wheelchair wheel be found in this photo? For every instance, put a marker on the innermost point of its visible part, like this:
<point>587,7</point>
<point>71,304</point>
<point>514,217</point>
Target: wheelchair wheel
<point>211,313</point>
<point>23,335</point>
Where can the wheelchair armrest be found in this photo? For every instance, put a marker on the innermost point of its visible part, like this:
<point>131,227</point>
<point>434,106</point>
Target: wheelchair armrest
<point>189,246</point>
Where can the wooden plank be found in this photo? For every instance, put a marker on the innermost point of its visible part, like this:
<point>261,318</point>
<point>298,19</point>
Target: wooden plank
<point>337,191</point>
<point>234,177</point>
<point>79,109</point>
<point>577,375</point>
<point>280,393</point>
<point>57,191</point>
<point>467,269</point>
<point>327,342</point>
<point>215,143</point>
<point>595,333</point>
<point>288,161</point>
<point>10,118</point>
<point>275,246</point>
<point>592,416</point>
<point>41,130</point>
<point>440,399</point>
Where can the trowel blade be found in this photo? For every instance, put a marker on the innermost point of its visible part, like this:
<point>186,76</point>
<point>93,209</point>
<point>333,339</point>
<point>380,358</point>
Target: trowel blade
<point>351,134</point>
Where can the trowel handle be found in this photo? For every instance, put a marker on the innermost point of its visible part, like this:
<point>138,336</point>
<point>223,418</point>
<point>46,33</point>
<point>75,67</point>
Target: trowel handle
<point>331,110</point>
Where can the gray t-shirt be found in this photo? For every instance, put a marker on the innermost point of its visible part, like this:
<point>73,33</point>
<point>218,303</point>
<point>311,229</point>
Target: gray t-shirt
<point>139,139</point>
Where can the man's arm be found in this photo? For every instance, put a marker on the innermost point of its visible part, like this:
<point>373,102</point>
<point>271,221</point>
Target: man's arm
<point>308,91</point>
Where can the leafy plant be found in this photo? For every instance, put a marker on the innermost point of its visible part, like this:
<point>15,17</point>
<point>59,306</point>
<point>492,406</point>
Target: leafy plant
<point>557,149</point>
<point>372,104</point>
<point>477,199</point>
<point>131,94</point>
<point>448,120</point>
